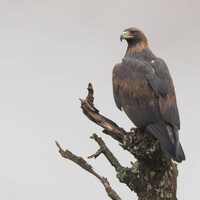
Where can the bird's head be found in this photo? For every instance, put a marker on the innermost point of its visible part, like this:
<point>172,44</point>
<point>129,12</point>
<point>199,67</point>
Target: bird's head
<point>133,36</point>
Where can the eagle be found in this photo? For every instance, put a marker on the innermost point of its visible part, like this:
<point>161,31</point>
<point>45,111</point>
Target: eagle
<point>144,90</point>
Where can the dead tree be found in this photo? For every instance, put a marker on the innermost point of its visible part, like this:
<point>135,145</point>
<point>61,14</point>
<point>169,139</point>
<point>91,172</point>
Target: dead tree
<point>152,176</point>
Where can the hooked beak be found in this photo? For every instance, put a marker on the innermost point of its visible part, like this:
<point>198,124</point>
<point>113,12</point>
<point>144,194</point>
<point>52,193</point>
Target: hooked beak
<point>126,35</point>
<point>122,37</point>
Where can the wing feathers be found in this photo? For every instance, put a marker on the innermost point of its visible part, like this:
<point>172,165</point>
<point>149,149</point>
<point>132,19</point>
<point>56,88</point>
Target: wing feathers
<point>145,91</point>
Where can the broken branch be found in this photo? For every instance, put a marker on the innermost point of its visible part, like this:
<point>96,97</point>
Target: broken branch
<point>82,163</point>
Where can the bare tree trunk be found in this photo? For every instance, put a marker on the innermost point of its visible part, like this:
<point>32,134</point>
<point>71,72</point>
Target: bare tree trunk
<point>153,176</point>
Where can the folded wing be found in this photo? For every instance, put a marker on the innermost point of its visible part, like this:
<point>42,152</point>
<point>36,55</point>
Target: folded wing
<point>145,92</point>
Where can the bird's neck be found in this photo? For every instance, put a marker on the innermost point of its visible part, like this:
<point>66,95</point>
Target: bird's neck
<point>136,48</point>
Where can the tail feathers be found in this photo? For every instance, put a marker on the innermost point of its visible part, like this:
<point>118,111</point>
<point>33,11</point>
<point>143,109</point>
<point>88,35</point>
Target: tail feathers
<point>179,153</point>
<point>173,149</point>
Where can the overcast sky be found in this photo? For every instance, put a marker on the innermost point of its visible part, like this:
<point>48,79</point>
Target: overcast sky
<point>49,51</point>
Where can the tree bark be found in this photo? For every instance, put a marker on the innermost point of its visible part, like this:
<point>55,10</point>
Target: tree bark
<point>153,176</point>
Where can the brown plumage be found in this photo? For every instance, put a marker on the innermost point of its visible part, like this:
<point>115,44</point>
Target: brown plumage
<point>143,88</point>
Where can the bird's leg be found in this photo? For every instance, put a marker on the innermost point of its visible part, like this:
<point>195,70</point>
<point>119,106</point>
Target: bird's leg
<point>134,129</point>
<point>138,134</point>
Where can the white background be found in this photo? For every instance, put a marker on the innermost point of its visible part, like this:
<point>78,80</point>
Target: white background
<point>49,51</point>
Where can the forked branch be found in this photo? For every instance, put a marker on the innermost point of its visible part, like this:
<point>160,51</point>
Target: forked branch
<point>153,176</point>
<point>82,163</point>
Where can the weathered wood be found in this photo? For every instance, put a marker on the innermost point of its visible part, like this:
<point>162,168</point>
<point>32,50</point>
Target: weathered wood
<point>153,176</point>
<point>82,163</point>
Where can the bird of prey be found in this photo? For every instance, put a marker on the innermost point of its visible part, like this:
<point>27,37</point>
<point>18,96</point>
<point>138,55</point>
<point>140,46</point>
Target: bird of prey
<point>144,90</point>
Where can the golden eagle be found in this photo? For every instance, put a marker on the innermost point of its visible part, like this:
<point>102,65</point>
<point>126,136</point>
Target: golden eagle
<point>144,90</point>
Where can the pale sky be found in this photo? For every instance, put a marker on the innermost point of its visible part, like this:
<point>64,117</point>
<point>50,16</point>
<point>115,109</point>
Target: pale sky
<point>49,51</point>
